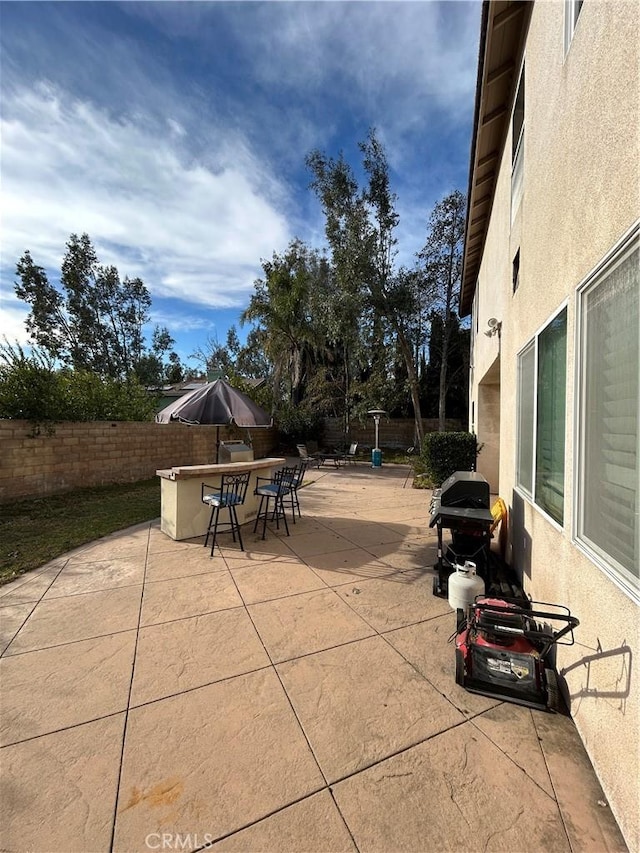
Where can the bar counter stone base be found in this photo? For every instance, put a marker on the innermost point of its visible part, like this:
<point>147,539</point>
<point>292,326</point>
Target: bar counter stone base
<point>183,515</point>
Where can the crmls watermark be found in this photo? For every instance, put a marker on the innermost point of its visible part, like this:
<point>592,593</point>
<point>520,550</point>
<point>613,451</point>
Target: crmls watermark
<point>178,840</point>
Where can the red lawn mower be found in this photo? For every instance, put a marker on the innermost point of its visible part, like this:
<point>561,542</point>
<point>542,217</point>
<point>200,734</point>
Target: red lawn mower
<point>503,650</point>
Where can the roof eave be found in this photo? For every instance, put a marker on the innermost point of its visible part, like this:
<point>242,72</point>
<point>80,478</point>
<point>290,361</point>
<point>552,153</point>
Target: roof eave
<point>503,31</point>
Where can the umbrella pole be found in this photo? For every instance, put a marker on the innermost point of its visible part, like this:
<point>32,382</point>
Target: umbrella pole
<point>217,444</point>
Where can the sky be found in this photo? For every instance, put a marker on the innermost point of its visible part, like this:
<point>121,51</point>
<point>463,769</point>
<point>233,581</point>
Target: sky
<point>175,135</point>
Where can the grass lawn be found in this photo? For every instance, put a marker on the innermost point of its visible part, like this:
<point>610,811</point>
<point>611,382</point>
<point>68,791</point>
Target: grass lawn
<point>32,532</point>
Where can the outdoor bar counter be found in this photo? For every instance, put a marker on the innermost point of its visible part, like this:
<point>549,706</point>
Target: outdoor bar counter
<point>183,515</point>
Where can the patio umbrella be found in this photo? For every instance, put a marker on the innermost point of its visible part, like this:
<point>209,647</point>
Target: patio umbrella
<point>216,403</point>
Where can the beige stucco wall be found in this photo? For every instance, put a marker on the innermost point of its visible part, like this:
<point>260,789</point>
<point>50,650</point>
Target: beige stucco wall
<point>581,194</point>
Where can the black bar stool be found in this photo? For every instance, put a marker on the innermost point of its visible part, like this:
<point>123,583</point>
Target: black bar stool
<point>228,495</point>
<point>294,477</point>
<point>275,489</point>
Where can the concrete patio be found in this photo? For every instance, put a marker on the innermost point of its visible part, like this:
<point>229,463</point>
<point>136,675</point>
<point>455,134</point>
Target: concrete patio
<point>299,696</point>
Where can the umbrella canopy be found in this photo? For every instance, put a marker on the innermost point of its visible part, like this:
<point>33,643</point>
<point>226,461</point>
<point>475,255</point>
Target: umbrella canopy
<point>216,403</point>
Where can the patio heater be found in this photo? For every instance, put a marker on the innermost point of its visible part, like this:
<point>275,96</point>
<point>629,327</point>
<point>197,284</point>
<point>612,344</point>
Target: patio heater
<point>376,453</point>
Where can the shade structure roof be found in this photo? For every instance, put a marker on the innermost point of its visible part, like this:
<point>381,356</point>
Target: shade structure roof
<point>216,403</point>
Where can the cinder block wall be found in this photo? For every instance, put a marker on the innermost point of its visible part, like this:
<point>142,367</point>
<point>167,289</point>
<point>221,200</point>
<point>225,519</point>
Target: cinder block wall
<point>101,452</point>
<point>396,433</point>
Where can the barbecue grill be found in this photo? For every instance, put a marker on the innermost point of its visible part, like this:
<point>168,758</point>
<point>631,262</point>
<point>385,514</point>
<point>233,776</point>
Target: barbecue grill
<point>235,451</point>
<point>462,505</point>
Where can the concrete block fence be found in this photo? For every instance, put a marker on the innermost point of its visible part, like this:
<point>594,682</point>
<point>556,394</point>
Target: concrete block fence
<point>97,453</point>
<point>102,452</point>
<point>397,433</point>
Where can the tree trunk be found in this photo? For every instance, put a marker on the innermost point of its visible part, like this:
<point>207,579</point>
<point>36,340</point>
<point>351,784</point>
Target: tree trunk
<point>442,395</point>
<point>414,385</point>
<point>347,392</point>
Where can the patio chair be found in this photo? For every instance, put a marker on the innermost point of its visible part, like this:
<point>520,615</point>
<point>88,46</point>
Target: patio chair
<point>276,490</point>
<point>350,455</point>
<point>316,459</point>
<point>229,494</point>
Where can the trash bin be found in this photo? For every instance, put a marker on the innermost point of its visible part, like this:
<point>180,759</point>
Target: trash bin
<point>376,458</point>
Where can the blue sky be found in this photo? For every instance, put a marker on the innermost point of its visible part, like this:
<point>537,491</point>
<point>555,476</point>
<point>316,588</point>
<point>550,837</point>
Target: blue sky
<point>175,134</point>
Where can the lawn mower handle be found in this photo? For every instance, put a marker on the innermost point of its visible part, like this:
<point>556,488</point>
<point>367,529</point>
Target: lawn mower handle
<point>514,610</point>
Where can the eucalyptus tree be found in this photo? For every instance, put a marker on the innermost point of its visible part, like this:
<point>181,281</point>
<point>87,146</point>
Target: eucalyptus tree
<point>94,320</point>
<point>441,259</point>
<point>214,357</point>
<point>457,388</point>
<point>360,225</point>
<point>232,359</point>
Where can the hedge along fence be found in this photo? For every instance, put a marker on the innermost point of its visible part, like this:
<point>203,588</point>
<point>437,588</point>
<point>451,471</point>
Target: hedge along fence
<point>100,452</point>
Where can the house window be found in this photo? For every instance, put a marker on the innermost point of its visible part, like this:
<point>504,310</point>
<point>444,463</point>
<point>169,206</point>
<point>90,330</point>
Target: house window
<point>608,479</point>
<point>516,271</point>
<point>542,367</point>
<point>517,147</point>
<point>572,9</point>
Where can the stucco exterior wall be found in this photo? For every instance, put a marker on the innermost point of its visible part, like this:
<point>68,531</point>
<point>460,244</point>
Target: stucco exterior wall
<point>581,195</point>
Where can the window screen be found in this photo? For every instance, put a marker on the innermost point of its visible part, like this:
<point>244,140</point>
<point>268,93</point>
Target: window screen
<point>526,403</point>
<point>551,388</point>
<point>609,401</point>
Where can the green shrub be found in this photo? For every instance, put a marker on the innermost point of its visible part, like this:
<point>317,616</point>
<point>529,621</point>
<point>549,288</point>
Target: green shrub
<point>33,389</point>
<point>298,423</point>
<point>446,452</point>
<point>89,397</point>
<point>30,387</point>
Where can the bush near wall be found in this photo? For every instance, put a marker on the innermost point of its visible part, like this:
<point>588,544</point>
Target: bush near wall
<point>443,453</point>
<point>101,452</point>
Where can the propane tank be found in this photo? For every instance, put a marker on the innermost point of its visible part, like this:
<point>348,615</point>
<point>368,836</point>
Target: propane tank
<point>464,585</point>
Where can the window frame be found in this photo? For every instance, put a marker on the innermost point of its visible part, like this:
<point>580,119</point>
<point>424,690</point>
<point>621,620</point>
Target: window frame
<point>627,244</point>
<point>530,496</point>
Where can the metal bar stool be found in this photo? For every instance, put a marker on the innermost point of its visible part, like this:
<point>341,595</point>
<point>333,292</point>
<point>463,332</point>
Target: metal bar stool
<point>294,477</point>
<point>275,489</point>
<point>229,494</point>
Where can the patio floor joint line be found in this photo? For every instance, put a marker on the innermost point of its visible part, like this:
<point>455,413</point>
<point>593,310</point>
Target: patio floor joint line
<point>126,713</point>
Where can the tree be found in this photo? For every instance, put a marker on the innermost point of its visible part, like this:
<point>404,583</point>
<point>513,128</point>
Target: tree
<point>441,257</point>
<point>95,320</point>
<point>238,363</point>
<point>282,309</point>
<point>359,226</point>
<point>151,368</point>
<point>33,388</point>
<point>457,370</point>
<point>251,360</point>
<point>174,372</point>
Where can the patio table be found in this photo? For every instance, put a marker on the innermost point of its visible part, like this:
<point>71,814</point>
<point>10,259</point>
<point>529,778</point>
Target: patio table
<point>336,458</point>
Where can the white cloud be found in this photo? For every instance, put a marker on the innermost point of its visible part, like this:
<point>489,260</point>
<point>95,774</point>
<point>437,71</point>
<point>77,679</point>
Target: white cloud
<point>12,326</point>
<point>148,141</point>
<point>191,229</point>
<point>412,57</point>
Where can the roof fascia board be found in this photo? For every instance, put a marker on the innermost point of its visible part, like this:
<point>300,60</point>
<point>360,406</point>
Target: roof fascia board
<point>492,20</point>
